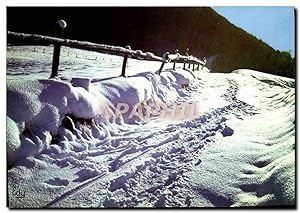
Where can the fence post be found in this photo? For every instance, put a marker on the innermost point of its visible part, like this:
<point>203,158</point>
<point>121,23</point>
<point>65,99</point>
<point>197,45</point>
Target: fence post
<point>125,62</point>
<point>193,66</point>
<point>198,66</point>
<point>165,60</point>
<point>124,65</point>
<point>59,29</point>
<point>187,54</point>
<point>176,51</point>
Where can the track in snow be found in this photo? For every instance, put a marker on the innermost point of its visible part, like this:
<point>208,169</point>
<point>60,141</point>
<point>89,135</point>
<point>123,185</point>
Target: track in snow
<point>161,157</point>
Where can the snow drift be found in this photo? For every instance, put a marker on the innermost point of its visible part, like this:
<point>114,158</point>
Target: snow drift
<point>39,107</point>
<point>90,142</point>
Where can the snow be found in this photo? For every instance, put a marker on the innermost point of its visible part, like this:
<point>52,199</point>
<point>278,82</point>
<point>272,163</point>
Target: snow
<point>183,77</point>
<point>53,99</point>
<point>27,101</point>
<point>179,139</point>
<point>13,140</point>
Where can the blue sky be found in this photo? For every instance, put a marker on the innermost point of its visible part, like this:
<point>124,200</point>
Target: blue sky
<point>273,25</point>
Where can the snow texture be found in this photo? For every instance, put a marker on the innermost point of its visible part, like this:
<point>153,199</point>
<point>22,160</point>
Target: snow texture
<point>13,140</point>
<point>70,143</point>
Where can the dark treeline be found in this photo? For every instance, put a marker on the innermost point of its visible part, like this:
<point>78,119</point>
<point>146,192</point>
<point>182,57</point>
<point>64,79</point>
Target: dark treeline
<point>159,29</point>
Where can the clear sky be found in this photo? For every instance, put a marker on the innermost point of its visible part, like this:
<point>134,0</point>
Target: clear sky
<point>273,25</point>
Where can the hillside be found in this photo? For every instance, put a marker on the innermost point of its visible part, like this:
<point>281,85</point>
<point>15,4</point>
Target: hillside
<point>159,30</point>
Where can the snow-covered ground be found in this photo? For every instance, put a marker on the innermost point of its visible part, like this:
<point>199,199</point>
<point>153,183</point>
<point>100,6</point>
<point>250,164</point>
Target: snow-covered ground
<point>181,139</point>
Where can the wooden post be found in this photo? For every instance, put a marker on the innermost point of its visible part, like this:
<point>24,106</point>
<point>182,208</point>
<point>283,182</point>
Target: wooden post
<point>124,65</point>
<point>198,66</point>
<point>125,62</point>
<point>193,66</point>
<point>161,67</point>
<point>176,52</point>
<point>187,54</point>
<point>165,60</point>
<point>184,65</point>
<point>187,51</point>
<point>59,29</point>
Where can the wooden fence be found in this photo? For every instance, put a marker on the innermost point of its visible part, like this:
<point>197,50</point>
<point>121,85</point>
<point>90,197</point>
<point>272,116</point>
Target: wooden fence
<point>125,52</point>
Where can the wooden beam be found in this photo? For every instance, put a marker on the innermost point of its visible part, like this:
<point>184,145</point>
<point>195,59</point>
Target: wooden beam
<point>59,31</point>
<point>13,37</point>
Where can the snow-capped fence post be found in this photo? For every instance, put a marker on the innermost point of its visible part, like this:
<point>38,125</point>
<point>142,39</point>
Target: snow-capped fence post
<point>187,51</point>
<point>187,54</point>
<point>125,62</point>
<point>165,60</point>
<point>176,52</point>
<point>59,29</point>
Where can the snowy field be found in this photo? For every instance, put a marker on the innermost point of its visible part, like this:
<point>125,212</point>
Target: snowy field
<point>179,139</point>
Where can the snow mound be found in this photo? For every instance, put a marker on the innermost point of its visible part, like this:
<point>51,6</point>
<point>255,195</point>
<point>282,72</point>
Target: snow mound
<point>46,111</point>
<point>23,102</point>
<point>13,141</point>
<point>130,90</point>
<point>268,78</point>
<point>183,77</point>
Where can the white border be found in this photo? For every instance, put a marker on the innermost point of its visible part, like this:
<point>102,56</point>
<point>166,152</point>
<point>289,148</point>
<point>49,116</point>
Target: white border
<point>150,3</point>
<point>5,3</point>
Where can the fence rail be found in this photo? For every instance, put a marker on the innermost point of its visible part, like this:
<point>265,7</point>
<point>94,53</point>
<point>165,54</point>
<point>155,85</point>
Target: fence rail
<point>14,37</point>
<point>126,52</point>
<point>183,59</point>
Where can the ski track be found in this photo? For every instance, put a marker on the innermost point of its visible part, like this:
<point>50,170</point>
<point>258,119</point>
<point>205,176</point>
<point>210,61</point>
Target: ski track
<point>167,155</point>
